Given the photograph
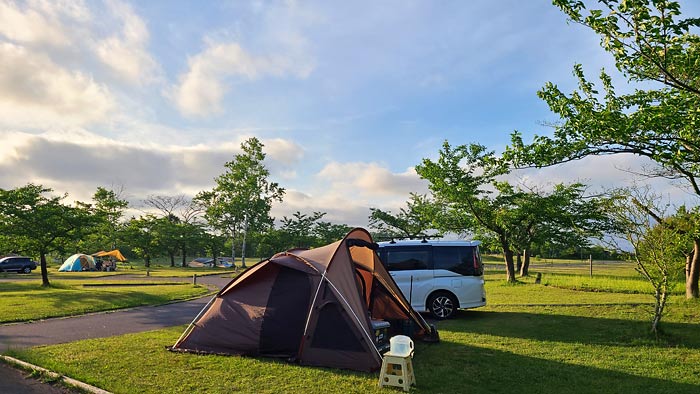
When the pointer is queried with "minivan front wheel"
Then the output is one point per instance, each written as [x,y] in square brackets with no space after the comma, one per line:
[26,270]
[442,305]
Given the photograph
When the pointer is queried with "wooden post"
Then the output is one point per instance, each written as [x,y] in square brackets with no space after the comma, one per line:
[590,264]
[194,279]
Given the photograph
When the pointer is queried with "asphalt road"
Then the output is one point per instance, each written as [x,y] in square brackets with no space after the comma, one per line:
[18,382]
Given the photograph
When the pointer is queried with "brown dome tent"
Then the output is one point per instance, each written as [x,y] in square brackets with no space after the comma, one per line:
[315,307]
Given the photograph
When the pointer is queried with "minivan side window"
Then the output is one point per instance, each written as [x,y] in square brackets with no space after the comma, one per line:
[403,259]
[459,259]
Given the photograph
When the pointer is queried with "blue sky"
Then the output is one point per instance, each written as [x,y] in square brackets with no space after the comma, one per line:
[347,96]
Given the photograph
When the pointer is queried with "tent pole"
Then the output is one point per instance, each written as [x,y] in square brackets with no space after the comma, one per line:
[188,329]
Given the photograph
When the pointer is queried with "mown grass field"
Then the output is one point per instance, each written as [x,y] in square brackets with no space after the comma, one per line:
[136,269]
[564,335]
[27,300]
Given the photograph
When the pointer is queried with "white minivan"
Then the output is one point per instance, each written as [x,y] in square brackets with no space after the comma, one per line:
[436,276]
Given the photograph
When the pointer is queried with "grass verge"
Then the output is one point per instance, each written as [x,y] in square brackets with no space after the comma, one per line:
[24,301]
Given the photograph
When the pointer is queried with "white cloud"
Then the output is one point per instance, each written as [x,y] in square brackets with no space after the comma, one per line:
[36,92]
[41,22]
[372,180]
[202,88]
[71,160]
[125,53]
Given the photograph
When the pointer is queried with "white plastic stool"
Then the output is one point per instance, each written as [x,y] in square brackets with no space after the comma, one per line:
[397,371]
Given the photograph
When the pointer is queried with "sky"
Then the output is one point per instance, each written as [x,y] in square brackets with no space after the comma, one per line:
[153,97]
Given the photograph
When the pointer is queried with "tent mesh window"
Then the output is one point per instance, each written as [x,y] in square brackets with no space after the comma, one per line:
[283,326]
[333,330]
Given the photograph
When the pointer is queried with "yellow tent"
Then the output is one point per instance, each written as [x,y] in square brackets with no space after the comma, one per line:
[113,253]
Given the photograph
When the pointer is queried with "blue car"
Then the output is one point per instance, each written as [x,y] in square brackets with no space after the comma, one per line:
[17,264]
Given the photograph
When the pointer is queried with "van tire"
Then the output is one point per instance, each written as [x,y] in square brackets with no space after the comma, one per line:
[442,305]
[27,270]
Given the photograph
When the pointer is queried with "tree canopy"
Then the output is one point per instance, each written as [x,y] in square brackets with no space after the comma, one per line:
[410,222]
[659,54]
[242,198]
[40,223]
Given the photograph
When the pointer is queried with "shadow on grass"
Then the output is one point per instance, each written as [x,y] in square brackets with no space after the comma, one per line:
[573,329]
[480,370]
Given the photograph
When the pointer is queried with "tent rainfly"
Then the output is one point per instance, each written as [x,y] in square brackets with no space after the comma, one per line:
[78,262]
[116,254]
[314,307]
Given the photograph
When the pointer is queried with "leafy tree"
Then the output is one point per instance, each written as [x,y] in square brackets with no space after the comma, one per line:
[466,180]
[144,237]
[180,231]
[109,207]
[653,48]
[243,196]
[411,222]
[38,223]
[327,232]
[657,247]
[564,216]
[461,177]
[190,236]
[298,230]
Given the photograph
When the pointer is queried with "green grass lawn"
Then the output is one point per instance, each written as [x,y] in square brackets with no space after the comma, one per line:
[136,269]
[27,300]
[569,334]
[602,349]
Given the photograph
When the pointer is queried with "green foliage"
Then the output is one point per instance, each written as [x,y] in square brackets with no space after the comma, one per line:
[654,47]
[466,179]
[145,236]
[37,224]
[657,248]
[411,222]
[243,195]
[649,43]
[300,231]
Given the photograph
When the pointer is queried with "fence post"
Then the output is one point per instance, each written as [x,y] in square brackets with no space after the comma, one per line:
[590,264]
[194,279]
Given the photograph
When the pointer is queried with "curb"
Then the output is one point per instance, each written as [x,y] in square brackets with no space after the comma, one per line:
[62,378]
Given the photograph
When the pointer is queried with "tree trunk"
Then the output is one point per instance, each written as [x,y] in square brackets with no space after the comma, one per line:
[508,256]
[44,271]
[172,259]
[245,231]
[692,271]
[148,260]
[215,254]
[184,256]
[233,249]
[525,269]
[661,295]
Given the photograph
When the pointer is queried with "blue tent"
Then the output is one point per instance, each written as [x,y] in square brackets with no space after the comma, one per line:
[78,262]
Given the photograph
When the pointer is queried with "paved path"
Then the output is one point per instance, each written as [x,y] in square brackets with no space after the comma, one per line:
[17,382]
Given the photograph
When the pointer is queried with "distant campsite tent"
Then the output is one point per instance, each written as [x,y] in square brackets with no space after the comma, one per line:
[78,262]
[116,254]
[201,262]
[312,306]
